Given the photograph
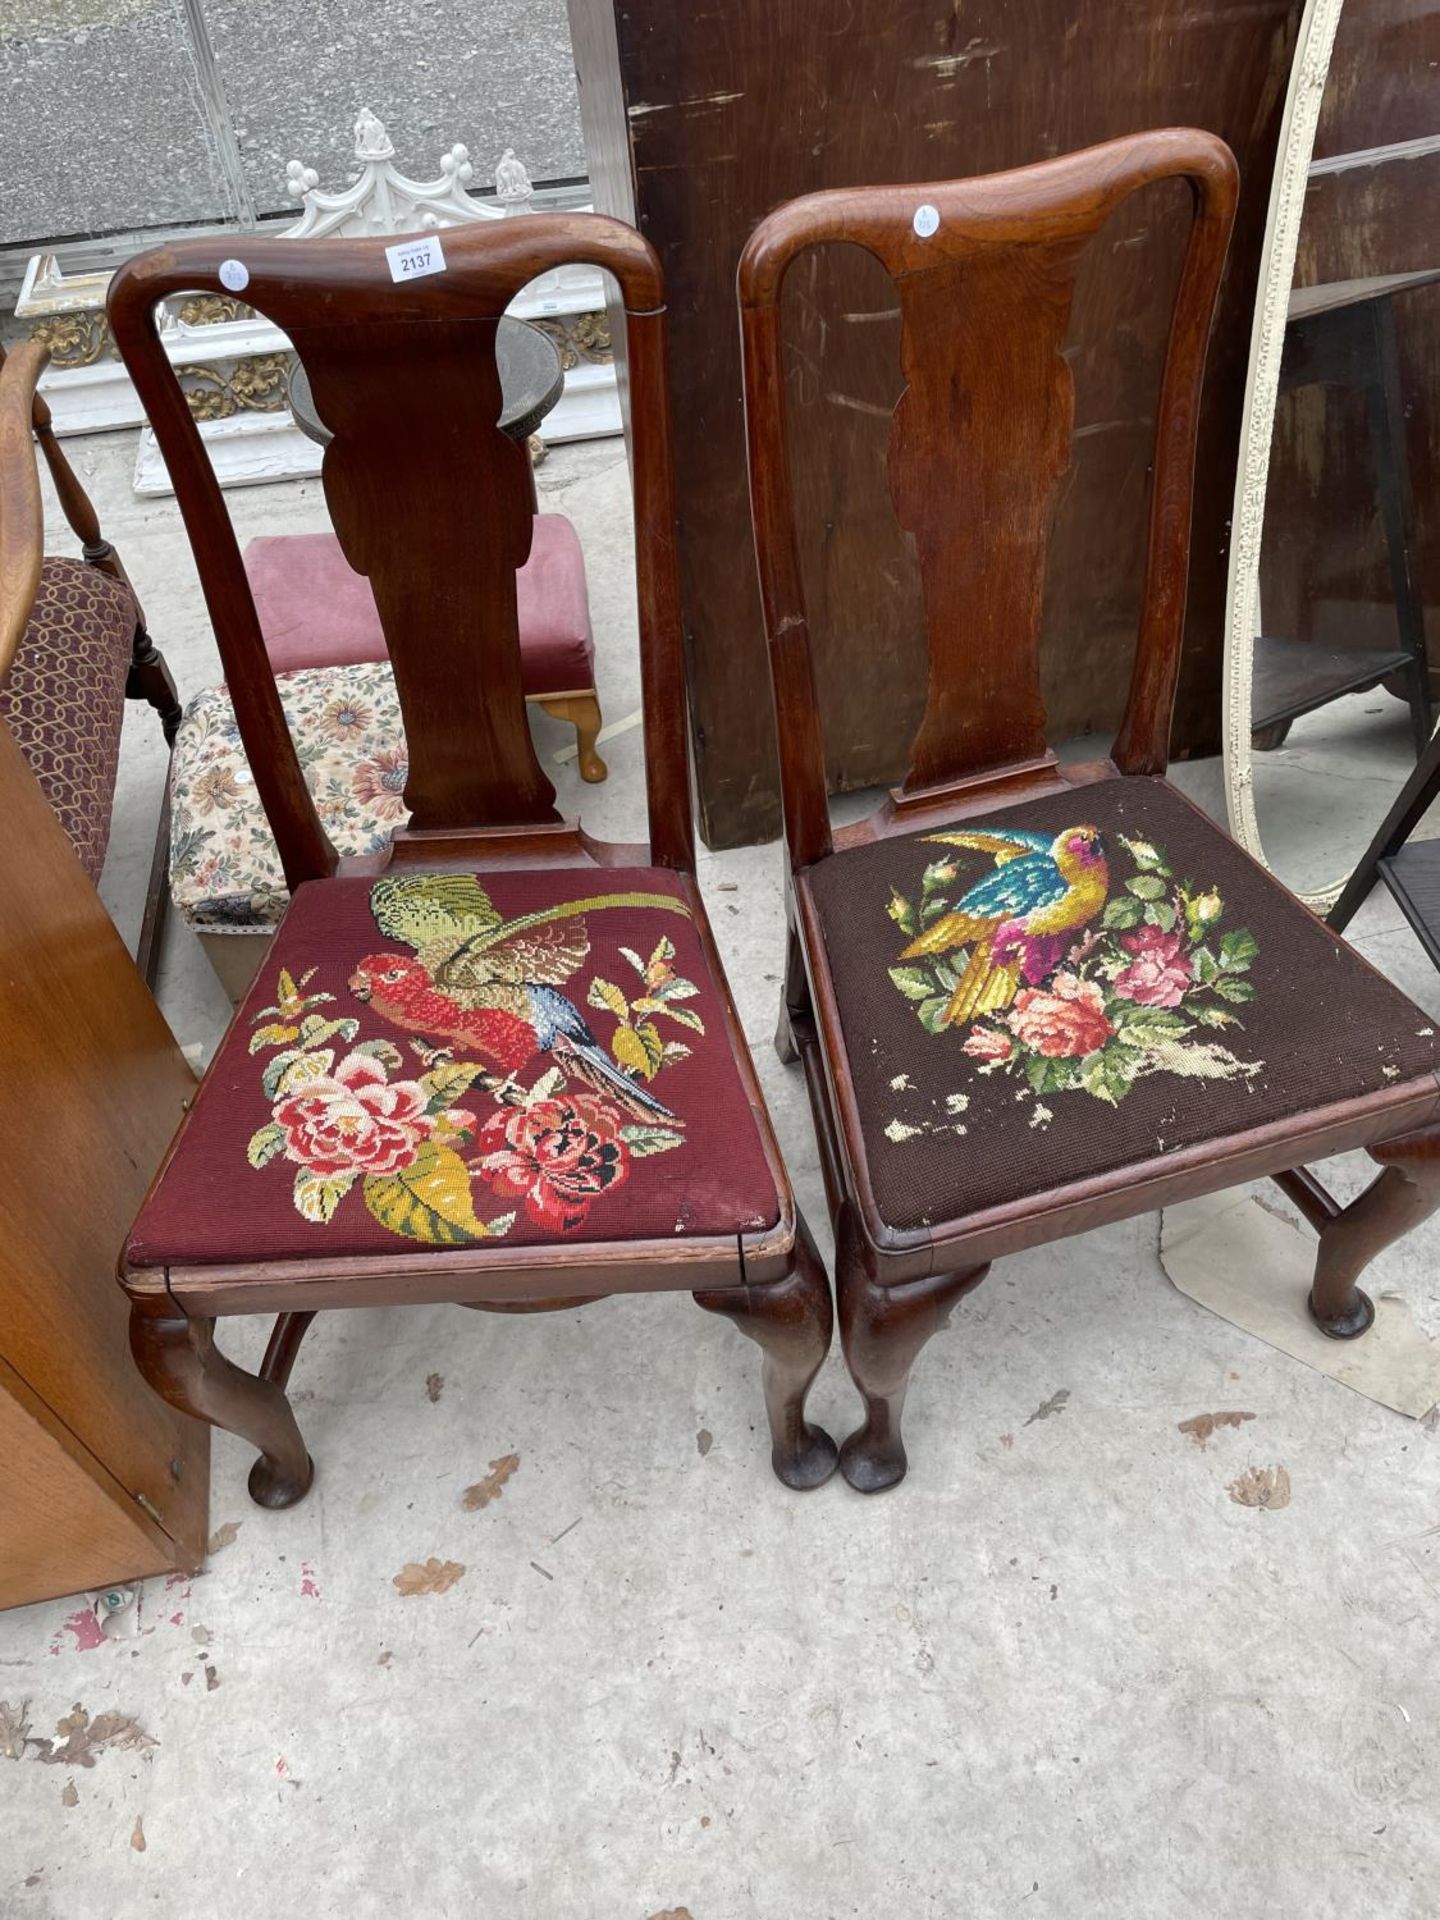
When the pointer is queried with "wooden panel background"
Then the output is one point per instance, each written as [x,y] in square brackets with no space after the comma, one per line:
[698,121]
[1324,573]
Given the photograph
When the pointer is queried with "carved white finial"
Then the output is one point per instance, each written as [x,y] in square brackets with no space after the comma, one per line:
[300,179]
[455,165]
[512,182]
[371,140]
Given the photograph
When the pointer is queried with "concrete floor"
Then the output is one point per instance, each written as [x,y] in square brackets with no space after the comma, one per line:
[1059,1672]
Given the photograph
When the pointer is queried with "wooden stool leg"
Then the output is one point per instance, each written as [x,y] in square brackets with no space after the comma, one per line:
[179,1358]
[581,711]
[882,1330]
[791,1320]
[1399,1198]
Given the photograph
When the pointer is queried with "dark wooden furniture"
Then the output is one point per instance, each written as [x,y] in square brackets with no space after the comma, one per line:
[531,382]
[73,642]
[101,1482]
[698,121]
[1409,868]
[456,940]
[1343,335]
[1085,1042]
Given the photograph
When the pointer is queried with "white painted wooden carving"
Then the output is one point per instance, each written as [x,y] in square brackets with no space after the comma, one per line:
[251,437]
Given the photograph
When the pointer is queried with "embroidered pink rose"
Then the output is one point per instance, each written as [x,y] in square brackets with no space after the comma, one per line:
[1063,1023]
[556,1155]
[354,1120]
[1159,974]
[988,1043]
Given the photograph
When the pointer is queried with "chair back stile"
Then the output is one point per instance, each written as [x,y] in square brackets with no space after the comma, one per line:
[22,513]
[985,273]
[430,501]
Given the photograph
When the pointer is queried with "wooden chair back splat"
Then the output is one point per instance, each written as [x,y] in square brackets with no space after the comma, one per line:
[984,271]
[537,1105]
[1081,935]
[431,501]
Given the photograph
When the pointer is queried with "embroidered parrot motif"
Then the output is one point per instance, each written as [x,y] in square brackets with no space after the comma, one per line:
[493,984]
[1019,919]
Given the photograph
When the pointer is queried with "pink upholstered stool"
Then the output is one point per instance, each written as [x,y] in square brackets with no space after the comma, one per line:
[315,611]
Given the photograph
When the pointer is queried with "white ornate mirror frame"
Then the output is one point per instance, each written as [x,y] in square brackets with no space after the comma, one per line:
[1314,44]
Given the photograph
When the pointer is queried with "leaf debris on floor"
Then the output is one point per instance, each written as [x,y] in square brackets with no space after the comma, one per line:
[82,1738]
[1055,1404]
[434,1386]
[223,1536]
[704,1440]
[433,1576]
[137,1834]
[14,1725]
[69,1794]
[492,1486]
[1267,1487]
[1202,1426]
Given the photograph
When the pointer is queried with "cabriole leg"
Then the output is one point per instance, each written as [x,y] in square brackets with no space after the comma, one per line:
[1399,1198]
[791,1320]
[882,1330]
[179,1358]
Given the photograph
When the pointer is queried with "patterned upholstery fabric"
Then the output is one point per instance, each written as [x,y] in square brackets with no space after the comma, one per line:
[425,1061]
[316,611]
[64,697]
[1054,991]
[224,865]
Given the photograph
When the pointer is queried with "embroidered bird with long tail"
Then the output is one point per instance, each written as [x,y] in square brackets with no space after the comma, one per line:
[473,976]
[1018,920]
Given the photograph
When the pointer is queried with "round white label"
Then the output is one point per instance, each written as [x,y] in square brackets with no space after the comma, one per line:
[235,275]
[926,221]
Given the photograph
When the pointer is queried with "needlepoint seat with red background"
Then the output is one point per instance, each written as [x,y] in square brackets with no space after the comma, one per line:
[1056,990]
[440,1060]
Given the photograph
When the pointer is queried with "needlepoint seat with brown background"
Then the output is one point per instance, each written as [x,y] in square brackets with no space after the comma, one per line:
[1062,988]
[439,1060]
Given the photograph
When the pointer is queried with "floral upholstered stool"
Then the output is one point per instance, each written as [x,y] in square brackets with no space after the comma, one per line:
[323,637]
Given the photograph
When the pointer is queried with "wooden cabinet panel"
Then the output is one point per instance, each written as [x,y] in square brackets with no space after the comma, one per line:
[697,122]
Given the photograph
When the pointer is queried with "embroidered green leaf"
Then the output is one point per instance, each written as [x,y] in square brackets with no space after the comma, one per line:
[315,1030]
[946,978]
[265,1143]
[318,1195]
[1150,859]
[446,1081]
[1146,886]
[939,873]
[385,1051]
[1147,1026]
[662,956]
[675,989]
[638,1049]
[932,908]
[675,1051]
[272,1036]
[549,1083]
[1205,964]
[1232,989]
[1238,949]
[685,1017]
[1162,914]
[903,914]
[430,1200]
[914,982]
[1214,1017]
[302,1069]
[608,998]
[636,962]
[1108,1074]
[274,1069]
[1051,1076]
[1121,914]
[931,1013]
[643,1141]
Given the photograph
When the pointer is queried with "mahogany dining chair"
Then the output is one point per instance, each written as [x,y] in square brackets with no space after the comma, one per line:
[495,1063]
[1033,997]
